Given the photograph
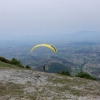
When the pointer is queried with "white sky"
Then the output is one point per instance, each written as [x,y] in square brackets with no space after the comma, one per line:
[28,17]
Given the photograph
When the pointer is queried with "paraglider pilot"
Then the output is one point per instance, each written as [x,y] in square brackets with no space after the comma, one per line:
[44,67]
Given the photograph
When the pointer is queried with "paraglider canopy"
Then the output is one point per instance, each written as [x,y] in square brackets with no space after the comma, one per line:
[45,45]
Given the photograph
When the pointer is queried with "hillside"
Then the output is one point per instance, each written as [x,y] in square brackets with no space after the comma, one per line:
[54,67]
[77,56]
[24,84]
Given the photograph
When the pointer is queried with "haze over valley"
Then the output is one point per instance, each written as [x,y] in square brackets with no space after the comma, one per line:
[71,56]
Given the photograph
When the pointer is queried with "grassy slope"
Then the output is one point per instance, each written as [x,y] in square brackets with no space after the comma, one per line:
[58,87]
[9,66]
[6,65]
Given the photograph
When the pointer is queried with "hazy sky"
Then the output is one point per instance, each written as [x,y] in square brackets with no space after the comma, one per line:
[31,17]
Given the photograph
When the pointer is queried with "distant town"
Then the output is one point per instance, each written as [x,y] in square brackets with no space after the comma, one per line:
[76,57]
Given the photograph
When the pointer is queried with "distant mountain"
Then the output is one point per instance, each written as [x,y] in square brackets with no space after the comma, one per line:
[81,36]
[88,36]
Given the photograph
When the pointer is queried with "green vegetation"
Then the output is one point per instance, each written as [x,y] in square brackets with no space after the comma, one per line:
[8,66]
[28,67]
[64,73]
[16,62]
[85,75]
[4,60]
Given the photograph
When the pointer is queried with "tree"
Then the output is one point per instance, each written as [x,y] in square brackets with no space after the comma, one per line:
[16,62]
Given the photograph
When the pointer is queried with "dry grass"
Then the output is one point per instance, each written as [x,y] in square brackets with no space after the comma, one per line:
[16,84]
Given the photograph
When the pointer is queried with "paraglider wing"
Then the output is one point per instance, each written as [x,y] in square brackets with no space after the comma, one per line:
[45,45]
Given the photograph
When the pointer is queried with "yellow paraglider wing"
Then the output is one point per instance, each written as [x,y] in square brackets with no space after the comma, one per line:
[45,45]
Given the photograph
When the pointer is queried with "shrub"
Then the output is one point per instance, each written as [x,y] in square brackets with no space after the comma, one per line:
[4,60]
[27,66]
[64,73]
[85,75]
[16,62]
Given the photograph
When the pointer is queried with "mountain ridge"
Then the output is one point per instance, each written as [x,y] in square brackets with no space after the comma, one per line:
[79,36]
